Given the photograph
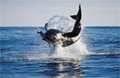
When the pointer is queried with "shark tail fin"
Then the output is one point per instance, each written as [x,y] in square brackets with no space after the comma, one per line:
[78,16]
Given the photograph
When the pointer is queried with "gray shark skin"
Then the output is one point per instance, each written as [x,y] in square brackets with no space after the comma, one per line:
[57,37]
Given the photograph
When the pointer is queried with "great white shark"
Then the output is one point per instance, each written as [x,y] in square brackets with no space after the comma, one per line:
[57,37]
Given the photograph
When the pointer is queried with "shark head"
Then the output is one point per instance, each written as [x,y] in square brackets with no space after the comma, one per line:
[52,36]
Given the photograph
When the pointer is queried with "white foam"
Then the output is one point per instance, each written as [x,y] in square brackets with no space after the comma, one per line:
[104,53]
[75,51]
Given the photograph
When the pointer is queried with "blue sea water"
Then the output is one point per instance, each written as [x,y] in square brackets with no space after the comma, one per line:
[21,55]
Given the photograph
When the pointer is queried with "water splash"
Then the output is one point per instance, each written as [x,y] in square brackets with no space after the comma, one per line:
[61,23]
[74,51]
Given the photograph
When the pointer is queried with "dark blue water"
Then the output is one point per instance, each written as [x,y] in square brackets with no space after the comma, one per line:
[19,44]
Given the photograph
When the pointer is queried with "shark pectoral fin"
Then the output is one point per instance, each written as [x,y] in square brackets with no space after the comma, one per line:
[41,33]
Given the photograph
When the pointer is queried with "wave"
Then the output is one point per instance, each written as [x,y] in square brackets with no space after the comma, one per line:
[110,42]
[104,53]
[57,58]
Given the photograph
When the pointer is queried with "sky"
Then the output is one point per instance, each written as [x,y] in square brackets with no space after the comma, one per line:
[38,12]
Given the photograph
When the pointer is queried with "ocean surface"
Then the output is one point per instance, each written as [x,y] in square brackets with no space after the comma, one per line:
[23,54]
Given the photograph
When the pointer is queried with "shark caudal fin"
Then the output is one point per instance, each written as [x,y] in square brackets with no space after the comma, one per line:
[78,16]
[77,26]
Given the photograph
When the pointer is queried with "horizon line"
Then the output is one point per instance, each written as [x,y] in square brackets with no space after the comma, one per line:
[83,26]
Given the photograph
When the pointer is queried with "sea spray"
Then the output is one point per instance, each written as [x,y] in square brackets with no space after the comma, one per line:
[74,51]
[63,24]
